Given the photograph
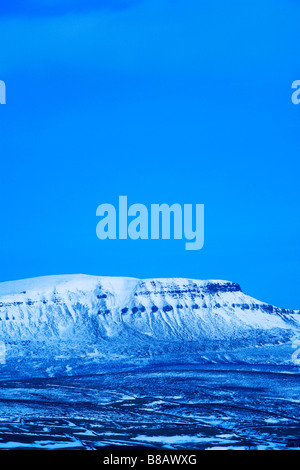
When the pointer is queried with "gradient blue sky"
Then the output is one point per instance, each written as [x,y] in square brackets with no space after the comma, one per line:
[182,101]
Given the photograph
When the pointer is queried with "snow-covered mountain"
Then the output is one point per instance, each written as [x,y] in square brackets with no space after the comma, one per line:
[103,319]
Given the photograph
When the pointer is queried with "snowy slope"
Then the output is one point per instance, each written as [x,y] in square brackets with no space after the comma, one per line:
[100,318]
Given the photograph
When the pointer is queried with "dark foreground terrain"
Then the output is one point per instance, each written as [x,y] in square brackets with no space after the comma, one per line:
[179,407]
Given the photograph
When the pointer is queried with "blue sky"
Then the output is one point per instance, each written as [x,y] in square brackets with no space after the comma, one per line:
[163,101]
